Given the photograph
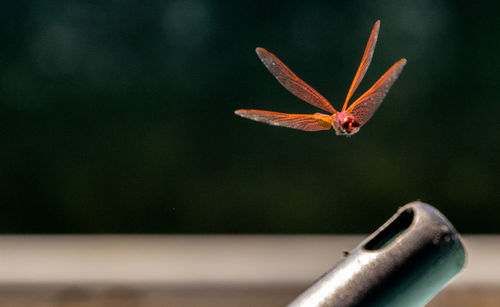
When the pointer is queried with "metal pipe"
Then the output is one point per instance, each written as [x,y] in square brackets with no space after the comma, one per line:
[406,262]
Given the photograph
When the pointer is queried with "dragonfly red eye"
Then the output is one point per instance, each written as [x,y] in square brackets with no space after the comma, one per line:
[349,124]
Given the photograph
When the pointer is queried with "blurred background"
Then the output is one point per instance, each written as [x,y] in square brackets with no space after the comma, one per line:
[117,116]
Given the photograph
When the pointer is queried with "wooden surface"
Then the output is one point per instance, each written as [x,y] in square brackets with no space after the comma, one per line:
[200,270]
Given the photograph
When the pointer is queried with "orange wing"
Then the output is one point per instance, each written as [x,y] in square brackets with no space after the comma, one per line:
[364,107]
[306,122]
[365,62]
[291,82]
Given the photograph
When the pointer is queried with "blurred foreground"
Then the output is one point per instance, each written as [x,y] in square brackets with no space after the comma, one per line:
[201,270]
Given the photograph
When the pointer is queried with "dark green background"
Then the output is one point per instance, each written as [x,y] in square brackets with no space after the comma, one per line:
[117,116]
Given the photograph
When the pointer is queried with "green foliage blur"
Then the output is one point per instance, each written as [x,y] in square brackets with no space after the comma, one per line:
[117,116]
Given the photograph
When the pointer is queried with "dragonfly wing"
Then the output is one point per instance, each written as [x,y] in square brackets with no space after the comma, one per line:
[293,83]
[306,122]
[364,107]
[365,62]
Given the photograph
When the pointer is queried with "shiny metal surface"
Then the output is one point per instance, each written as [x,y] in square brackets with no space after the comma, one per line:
[406,262]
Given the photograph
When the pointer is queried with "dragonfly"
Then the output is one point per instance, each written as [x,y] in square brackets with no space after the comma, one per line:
[346,122]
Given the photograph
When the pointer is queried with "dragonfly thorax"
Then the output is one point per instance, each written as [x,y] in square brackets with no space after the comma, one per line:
[345,124]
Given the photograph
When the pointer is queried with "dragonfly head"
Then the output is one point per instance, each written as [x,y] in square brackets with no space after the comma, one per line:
[345,124]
